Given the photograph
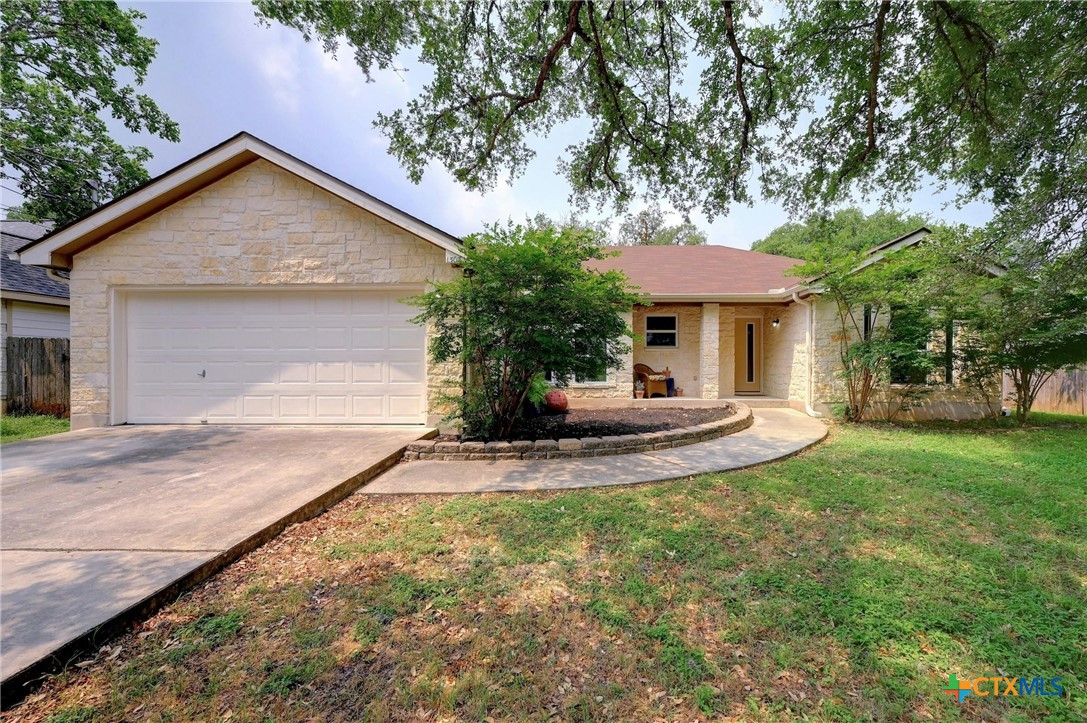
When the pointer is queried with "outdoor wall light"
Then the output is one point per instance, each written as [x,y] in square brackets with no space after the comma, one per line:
[775,323]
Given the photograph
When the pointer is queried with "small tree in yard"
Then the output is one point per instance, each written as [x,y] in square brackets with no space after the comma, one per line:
[524,305]
[1030,323]
[882,324]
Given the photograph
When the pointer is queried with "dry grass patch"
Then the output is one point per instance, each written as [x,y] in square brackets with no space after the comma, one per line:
[824,586]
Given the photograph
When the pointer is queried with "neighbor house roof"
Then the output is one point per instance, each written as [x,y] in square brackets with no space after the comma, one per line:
[701,272]
[17,280]
[56,249]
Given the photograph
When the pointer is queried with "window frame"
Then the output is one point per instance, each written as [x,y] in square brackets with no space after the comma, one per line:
[947,362]
[575,383]
[674,331]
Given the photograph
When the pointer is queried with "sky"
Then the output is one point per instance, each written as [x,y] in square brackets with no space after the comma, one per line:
[218,72]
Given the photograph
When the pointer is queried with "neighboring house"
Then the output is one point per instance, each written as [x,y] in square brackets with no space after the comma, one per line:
[246,286]
[34,302]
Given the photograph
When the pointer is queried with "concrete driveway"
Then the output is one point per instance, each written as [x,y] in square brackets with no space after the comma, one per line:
[99,525]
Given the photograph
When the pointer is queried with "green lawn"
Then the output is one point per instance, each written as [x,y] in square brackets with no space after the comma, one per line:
[845,583]
[29,426]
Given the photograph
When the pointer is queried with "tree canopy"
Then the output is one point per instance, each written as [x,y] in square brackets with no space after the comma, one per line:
[649,227]
[61,68]
[849,230]
[1020,317]
[695,101]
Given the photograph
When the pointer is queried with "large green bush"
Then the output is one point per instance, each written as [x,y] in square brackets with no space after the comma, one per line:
[525,305]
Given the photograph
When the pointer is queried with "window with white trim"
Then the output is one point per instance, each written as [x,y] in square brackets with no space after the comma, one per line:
[661,331]
[582,381]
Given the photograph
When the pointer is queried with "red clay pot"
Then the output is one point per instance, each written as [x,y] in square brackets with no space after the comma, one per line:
[556,401]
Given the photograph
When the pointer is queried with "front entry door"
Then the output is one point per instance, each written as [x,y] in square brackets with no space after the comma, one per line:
[748,356]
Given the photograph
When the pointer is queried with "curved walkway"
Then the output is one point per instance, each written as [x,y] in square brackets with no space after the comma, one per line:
[776,433]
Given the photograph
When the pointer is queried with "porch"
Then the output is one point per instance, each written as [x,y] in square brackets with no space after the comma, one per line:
[715,352]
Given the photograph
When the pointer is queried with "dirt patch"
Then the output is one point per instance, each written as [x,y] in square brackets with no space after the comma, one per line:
[577,423]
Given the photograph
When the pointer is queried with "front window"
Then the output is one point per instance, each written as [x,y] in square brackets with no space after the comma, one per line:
[661,330]
[581,379]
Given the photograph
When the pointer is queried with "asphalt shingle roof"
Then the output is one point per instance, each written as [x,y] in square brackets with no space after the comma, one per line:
[693,270]
[25,279]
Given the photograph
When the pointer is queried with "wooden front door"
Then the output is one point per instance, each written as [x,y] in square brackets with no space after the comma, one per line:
[748,355]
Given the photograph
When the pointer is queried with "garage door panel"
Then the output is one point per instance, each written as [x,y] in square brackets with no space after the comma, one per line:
[224,406]
[368,407]
[224,338]
[295,407]
[406,372]
[274,356]
[367,372]
[404,405]
[259,406]
[297,373]
[331,372]
[370,305]
[191,338]
[331,338]
[293,337]
[259,372]
[404,338]
[369,337]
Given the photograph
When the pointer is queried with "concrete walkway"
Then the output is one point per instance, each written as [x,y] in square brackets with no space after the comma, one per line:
[102,526]
[776,433]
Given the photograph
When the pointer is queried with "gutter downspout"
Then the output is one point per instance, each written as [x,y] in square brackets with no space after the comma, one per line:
[811,354]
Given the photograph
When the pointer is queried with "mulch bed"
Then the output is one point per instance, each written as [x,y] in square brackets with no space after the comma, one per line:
[578,423]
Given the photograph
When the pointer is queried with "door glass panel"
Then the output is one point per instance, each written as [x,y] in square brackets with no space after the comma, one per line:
[750,353]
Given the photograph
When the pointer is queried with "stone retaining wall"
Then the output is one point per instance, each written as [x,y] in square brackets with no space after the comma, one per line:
[429,449]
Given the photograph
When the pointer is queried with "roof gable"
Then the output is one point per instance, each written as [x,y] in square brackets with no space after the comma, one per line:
[57,248]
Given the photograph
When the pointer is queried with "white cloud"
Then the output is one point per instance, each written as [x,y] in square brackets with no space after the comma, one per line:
[463,211]
[278,64]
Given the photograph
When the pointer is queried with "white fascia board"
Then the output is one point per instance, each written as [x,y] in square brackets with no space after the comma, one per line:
[719,298]
[35,298]
[41,254]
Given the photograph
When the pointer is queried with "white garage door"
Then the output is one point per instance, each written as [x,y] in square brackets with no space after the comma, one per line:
[274,357]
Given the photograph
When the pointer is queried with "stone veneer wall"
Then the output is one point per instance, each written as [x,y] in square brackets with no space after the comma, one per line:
[710,355]
[940,402]
[258,226]
[726,348]
[685,359]
[785,351]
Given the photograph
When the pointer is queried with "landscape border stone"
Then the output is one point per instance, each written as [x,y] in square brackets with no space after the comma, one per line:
[428,449]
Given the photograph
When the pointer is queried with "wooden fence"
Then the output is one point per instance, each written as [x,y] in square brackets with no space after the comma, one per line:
[1064,393]
[38,375]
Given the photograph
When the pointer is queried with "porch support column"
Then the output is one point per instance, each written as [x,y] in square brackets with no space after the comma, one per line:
[709,369]
[624,375]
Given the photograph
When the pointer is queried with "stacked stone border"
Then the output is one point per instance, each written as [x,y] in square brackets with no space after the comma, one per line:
[429,449]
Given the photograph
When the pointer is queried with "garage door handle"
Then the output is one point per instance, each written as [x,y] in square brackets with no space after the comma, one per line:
[202,373]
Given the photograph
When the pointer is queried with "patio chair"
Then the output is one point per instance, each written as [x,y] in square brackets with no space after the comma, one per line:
[652,381]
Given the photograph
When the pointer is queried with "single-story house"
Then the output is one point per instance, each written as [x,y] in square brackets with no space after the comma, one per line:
[246,286]
[33,301]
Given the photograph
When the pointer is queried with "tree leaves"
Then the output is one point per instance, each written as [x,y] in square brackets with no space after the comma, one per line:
[707,104]
[525,305]
[60,68]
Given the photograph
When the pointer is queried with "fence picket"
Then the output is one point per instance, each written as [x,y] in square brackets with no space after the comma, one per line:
[39,371]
